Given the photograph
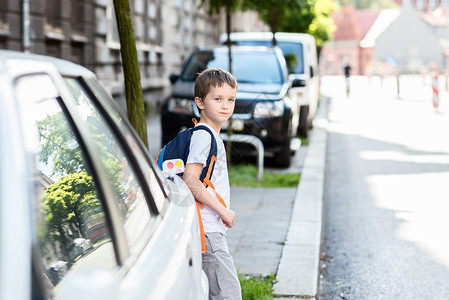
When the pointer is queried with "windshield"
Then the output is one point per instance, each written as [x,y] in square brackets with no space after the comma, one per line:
[247,67]
[293,53]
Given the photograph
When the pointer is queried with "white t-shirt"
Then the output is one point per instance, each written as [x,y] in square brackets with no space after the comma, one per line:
[199,151]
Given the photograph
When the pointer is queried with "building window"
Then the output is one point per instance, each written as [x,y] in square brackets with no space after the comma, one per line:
[78,53]
[3,10]
[432,4]
[53,13]
[53,48]
[444,3]
[78,16]
[112,37]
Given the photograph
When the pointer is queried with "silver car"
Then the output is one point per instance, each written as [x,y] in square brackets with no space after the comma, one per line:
[73,169]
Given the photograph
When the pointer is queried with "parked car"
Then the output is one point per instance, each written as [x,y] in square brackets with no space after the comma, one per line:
[67,153]
[263,107]
[300,52]
[79,247]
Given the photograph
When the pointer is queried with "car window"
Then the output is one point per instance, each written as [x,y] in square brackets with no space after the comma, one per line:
[197,63]
[247,67]
[129,195]
[71,227]
[145,162]
[293,53]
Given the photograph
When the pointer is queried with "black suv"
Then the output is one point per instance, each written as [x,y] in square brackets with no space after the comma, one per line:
[263,108]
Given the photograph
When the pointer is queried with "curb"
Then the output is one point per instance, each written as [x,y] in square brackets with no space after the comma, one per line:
[298,270]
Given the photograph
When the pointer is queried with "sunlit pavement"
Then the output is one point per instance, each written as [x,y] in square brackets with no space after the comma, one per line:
[421,194]
[395,178]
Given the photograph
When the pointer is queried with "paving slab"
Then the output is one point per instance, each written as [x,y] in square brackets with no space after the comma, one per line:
[261,224]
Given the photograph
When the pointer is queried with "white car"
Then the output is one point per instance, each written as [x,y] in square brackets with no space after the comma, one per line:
[73,169]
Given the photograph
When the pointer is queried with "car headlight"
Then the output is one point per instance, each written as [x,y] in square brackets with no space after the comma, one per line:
[181,106]
[268,109]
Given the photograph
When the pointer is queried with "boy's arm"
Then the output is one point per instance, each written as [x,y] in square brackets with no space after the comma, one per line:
[191,177]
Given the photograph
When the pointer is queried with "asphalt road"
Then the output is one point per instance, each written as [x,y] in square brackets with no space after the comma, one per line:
[386,204]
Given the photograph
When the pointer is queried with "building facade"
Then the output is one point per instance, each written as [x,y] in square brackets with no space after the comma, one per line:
[352,26]
[85,32]
[407,39]
[59,28]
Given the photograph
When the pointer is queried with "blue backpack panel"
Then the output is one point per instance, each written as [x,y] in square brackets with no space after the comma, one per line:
[173,156]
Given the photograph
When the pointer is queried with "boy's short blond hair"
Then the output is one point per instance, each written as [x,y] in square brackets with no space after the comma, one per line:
[211,78]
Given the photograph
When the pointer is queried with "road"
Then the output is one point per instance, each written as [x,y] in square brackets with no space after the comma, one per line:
[386,204]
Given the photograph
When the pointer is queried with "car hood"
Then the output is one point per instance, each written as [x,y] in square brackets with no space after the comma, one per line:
[183,89]
[261,91]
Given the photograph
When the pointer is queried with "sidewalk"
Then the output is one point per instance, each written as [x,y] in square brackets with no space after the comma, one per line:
[278,230]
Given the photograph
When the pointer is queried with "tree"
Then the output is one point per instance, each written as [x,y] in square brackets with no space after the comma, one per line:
[322,26]
[275,12]
[308,16]
[69,199]
[298,18]
[128,50]
[65,204]
[58,145]
[215,6]
[230,6]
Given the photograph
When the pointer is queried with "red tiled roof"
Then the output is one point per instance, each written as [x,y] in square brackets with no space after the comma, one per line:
[353,24]
[365,19]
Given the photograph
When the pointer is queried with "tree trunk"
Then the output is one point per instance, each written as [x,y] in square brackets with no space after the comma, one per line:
[274,22]
[228,31]
[131,71]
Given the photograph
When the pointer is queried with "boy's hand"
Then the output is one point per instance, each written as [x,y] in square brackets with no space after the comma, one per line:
[227,216]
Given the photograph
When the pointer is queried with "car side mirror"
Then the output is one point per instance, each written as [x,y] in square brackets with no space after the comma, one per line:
[298,83]
[173,78]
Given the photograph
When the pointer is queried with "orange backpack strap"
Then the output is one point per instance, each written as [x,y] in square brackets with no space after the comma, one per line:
[209,183]
[157,159]
[206,183]
[203,237]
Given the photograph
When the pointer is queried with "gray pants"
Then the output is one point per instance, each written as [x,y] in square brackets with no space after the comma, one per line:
[220,270]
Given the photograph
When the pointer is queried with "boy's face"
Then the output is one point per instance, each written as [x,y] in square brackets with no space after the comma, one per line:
[218,105]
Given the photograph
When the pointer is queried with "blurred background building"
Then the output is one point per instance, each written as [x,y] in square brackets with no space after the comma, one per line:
[85,32]
[406,39]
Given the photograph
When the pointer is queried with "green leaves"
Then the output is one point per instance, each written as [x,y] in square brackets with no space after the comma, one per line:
[69,198]
[59,145]
[215,6]
[307,16]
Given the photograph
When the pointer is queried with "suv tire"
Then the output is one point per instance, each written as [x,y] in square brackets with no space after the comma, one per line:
[282,159]
[303,126]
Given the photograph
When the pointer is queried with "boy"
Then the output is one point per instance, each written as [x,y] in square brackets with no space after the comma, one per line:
[215,92]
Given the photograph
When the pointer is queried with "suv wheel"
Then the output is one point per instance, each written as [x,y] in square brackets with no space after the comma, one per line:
[303,126]
[283,158]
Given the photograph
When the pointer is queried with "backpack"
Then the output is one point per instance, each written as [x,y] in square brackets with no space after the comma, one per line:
[172,158]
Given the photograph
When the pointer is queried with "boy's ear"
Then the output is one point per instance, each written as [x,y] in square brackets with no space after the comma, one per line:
[199,102]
